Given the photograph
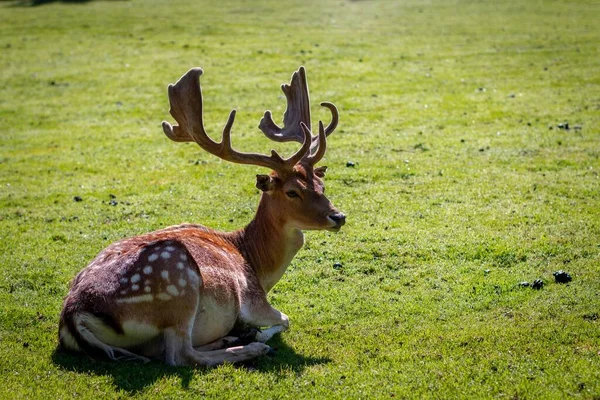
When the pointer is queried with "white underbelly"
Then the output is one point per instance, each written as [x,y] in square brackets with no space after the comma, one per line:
[213,320]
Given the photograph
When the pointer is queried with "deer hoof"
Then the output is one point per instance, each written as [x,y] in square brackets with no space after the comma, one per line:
[259,349]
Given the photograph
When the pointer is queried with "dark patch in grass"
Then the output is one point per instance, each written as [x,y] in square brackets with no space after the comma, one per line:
[59,238]
[590,317]
[404,175]
[354,181]
[421,147]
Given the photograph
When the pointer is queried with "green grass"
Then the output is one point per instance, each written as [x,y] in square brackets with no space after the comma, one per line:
[463,187]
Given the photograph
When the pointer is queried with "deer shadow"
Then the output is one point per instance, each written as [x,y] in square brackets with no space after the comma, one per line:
[134,377]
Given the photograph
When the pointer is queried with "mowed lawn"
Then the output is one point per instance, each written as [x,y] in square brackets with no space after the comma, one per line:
[466,160]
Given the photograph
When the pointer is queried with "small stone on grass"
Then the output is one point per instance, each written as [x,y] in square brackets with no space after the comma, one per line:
[562,277]
[537,284]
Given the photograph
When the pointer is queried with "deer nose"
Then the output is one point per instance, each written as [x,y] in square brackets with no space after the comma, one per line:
[339,218]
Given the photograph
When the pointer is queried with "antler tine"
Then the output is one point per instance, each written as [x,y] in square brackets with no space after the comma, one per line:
[297,111]
[319,142]
[185,98]
[327,131]
[334,117]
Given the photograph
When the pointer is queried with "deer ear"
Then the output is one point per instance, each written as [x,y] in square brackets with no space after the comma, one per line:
[320,171]
[265,183]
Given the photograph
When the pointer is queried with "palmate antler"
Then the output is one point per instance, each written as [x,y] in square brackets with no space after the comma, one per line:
[298,114]
[185,98]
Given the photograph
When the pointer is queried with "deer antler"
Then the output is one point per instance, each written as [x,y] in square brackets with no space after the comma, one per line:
[185,98]
[296,114]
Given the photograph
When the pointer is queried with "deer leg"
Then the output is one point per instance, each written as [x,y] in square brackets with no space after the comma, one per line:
[262,314]
[179,350]
[233,354]
[268,333]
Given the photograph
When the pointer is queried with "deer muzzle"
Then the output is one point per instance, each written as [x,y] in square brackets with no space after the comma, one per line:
[338,218]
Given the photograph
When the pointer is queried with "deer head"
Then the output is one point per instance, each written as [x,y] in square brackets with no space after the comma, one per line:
[294,189]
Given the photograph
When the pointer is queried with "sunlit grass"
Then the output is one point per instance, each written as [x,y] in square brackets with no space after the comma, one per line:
[463,186]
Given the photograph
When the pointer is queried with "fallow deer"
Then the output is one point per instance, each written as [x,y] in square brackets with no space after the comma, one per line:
[176,293]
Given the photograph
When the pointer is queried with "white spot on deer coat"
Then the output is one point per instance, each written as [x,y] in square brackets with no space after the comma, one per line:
[170,248]
[171,289]
[165,254]
[182,282]
[135,278]
[193,276]
[180,265]
[148,269]
[183,257]
[147,289]
[136,299]
[165,274]
[163,296]
[135,287]
[153,257]
[123,280]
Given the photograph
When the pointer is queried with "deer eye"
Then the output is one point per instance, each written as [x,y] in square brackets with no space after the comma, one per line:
[292,194]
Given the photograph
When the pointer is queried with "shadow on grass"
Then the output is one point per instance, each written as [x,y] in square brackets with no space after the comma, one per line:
[134,377]
[285,358]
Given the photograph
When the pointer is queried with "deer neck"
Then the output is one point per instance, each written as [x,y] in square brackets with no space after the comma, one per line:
[269,243]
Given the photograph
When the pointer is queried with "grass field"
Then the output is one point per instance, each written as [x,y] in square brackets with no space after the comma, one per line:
[463,186]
